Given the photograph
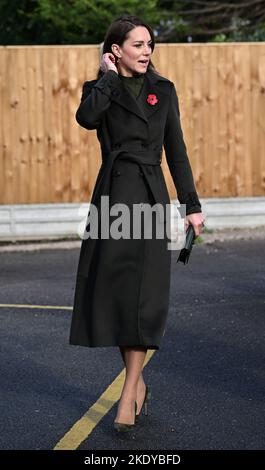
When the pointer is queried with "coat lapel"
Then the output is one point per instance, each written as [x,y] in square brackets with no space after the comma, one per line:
[140,105]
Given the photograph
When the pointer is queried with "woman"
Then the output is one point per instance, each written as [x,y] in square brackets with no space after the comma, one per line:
[122,286]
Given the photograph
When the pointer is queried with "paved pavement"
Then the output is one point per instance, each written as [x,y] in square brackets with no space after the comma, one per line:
[207,380]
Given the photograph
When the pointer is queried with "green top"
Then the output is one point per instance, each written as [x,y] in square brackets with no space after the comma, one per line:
[134,83]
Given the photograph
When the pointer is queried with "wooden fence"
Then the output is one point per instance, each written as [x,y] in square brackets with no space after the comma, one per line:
[47,157]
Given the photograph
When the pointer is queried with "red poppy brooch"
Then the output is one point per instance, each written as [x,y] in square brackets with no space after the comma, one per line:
[152,99]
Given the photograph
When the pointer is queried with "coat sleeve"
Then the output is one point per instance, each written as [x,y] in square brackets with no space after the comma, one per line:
[96,99]
[177,158]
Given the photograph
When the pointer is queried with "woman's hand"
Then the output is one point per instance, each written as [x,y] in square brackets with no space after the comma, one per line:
[108,62]
[197,220]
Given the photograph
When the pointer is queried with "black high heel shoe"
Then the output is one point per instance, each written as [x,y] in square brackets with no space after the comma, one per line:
[145,403]
[124,426]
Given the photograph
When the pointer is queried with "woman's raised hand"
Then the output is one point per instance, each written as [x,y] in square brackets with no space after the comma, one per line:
[108,62]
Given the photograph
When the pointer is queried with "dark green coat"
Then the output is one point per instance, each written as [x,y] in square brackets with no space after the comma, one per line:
[122,286]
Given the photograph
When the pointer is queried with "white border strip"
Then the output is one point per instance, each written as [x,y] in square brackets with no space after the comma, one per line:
[45,221]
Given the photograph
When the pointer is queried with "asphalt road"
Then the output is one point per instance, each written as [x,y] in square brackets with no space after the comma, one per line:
[207,380]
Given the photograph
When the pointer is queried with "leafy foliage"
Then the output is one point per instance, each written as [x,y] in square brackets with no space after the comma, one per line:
[86,21]
[66,22]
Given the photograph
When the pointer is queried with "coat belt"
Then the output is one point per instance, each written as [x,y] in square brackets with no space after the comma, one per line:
[144,158]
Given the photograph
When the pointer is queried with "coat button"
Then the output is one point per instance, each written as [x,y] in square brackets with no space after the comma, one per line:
[116,172]
[117,146]
[141,173]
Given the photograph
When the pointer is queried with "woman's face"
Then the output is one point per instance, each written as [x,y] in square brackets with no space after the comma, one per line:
[134,55]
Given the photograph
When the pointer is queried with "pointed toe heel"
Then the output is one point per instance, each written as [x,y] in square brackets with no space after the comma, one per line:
[124,427]
[145,403]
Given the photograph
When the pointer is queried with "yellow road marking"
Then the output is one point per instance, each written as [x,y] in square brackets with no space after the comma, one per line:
[50,307]
[85,425]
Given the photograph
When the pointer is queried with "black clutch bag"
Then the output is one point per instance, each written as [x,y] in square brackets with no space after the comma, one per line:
[186,250]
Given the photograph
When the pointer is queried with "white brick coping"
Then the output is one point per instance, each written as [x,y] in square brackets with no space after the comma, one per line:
[48,221]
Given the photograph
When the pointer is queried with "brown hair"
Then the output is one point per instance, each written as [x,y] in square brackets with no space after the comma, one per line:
[117,33]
